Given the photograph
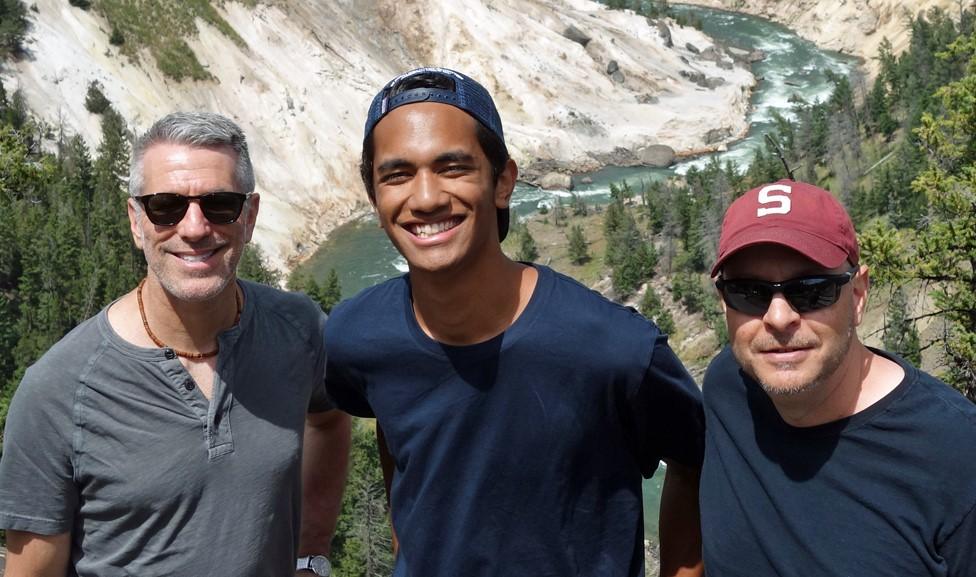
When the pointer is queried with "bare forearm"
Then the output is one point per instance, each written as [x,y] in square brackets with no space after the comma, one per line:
[33,555]
[680,524]
[325,462]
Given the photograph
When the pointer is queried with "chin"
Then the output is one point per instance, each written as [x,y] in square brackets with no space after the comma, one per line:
[787,388]
[195,289]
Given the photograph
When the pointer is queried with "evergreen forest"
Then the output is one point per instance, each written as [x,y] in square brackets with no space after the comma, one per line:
[900,154]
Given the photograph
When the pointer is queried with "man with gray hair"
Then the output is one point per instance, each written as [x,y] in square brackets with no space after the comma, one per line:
[164,436]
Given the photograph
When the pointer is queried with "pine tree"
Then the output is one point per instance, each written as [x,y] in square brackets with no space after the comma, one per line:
[578,252]
[114,264]
[652,308]
[13,27]
[578,206]
[900,334]
[946,248]
[527,252]
[252,266]
[330,291]
[363,545]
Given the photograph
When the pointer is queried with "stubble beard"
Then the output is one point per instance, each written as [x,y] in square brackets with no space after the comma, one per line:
[188,289]
[831,363]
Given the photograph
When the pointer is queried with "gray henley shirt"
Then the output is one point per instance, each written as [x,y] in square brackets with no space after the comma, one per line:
[116,444]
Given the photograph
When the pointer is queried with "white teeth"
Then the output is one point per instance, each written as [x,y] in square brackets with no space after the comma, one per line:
[196,257]
[430,229]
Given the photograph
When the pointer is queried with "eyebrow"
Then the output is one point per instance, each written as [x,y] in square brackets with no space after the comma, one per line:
[443,158]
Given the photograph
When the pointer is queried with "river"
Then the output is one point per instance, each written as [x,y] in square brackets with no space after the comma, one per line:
[362,255]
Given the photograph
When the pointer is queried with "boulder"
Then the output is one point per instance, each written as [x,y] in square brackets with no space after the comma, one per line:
[586,180]
[665,32]
[556,181]
[656,155]
[612,67]
[647,98]
[694,75]
[617,77]
[692,48]
[713,82]
[576,35]
[738,53]
[717,135]
[711,53]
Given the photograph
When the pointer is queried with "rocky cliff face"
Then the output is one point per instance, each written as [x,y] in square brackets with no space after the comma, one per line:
[577,86]
[854,27]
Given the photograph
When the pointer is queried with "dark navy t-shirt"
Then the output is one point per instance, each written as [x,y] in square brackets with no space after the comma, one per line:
[521,455]
[889,491]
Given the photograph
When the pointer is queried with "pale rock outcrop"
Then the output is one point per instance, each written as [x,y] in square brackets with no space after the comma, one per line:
[301,85]
[556,181]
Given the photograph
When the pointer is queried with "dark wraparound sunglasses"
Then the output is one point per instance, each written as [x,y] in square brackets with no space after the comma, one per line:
[805,294]
[169,208]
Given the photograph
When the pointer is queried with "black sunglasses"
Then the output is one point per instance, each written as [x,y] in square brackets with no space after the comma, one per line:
[169,208]
[805,294]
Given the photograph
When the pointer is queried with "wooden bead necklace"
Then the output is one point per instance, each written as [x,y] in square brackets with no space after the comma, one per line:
[177,352]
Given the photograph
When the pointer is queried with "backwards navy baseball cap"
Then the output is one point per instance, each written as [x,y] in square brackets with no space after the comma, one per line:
[446,86]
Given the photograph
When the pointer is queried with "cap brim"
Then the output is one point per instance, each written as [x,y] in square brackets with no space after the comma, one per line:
[813,247]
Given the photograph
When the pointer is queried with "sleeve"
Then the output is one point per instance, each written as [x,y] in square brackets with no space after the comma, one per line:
[345,385]
[319,402]
[37,489]
[958,550]
[667,412]
[346,392]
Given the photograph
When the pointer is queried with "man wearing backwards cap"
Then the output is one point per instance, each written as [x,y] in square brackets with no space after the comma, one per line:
[516,409]
[824,457]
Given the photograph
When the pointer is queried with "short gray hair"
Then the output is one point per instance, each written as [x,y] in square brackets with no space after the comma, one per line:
[193,129]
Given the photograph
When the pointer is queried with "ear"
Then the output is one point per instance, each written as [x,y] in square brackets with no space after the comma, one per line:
[251,216]
[135,226]
[861,285]
[506,184]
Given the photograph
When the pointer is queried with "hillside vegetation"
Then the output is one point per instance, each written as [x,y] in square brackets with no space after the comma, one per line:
[162,27]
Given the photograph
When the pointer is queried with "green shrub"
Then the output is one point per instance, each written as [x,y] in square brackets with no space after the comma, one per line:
[95,100]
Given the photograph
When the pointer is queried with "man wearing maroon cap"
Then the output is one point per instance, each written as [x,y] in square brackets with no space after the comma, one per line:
[823,456]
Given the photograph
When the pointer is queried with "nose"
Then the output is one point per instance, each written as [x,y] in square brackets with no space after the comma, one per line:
[194,225]
[428,195]
[780,315]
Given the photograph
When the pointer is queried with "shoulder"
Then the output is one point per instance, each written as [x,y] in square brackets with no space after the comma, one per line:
[941,406]
[592,326]
[293,308]
[720,376]
[582,304]
[50,384]
[723,366]
[371,304]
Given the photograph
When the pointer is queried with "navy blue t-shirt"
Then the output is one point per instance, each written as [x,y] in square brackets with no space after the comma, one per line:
[521,455]
[889,491]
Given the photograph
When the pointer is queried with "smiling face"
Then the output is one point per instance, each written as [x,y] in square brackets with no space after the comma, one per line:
[193,260]
[435,194]
[790,353]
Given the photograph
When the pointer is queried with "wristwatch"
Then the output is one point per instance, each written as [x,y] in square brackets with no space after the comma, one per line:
[317,564]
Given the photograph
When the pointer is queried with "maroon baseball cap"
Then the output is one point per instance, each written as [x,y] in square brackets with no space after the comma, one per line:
[793,214]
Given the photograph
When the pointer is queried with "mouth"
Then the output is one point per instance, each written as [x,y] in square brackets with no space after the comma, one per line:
[429,229]
[196,256]
[783,350]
